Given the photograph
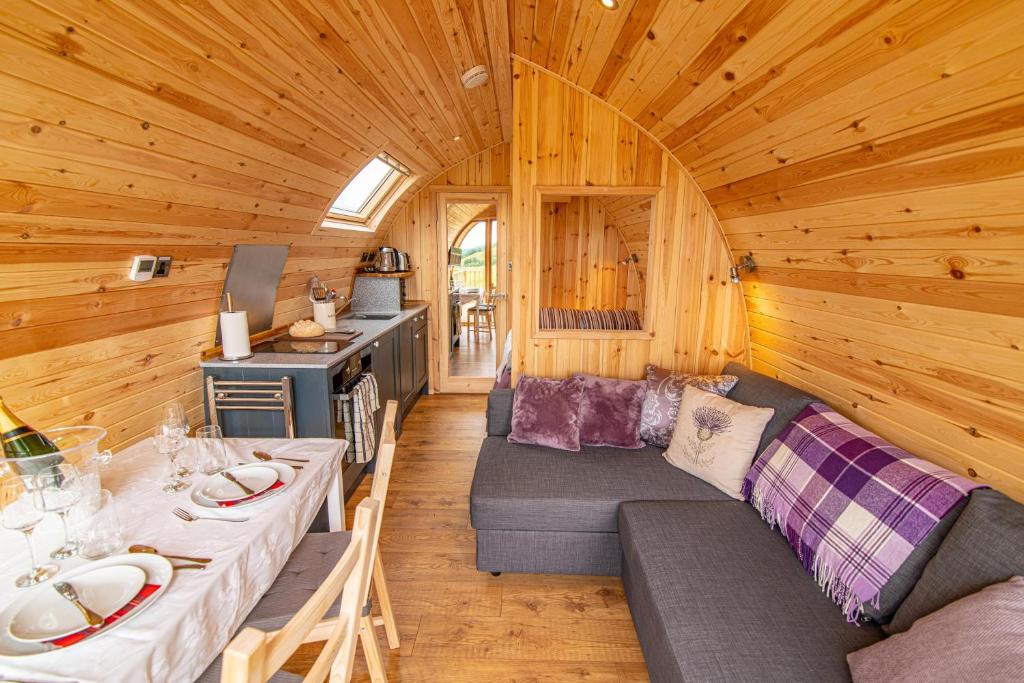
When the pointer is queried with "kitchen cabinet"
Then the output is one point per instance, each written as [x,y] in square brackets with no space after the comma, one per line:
[412,359]
[419,355]
[384,356]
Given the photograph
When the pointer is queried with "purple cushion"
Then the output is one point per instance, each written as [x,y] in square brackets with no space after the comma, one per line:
[546,412]
[664,392]
[610,414]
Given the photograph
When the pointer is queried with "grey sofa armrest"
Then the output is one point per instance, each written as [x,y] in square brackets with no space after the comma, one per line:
[499,412]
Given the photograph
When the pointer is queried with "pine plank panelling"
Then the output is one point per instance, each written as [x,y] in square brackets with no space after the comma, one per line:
[696,315]
[582,249]
[870,155]
[182,129]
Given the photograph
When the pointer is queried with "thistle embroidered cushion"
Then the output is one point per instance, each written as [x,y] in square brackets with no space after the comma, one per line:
[716,439]
[546,412]
[661,402]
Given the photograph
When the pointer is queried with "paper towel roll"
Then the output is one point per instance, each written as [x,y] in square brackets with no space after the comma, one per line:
[234,335]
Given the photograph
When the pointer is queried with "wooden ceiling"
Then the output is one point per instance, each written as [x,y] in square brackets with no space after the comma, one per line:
[265,107]
[870,154]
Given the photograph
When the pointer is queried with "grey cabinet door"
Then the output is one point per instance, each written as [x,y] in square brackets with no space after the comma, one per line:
[419,355]
[406,376]
[385,367]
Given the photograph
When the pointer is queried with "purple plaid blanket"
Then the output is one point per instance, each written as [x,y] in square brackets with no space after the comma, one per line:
[851,505]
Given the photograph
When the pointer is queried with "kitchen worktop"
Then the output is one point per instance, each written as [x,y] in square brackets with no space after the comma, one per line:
[371,330]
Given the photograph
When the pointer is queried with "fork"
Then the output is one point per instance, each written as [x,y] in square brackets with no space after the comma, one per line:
[189,517]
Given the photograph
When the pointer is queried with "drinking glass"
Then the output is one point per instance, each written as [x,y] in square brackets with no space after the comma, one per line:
[99,529]
[210,450]
[169,441]
[19,513]
[57,489]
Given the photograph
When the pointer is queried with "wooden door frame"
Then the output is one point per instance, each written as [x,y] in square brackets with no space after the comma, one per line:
[442,198]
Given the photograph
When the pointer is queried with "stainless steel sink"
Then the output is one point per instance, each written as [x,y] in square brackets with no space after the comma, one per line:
[369,316]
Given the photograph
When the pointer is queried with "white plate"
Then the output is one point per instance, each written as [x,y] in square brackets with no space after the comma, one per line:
[220,489]
[49,615]
[285,473]
[157,570]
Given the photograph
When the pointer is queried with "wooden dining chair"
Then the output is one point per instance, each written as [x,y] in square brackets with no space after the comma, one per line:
[255,656]
[314,559]
[484,308]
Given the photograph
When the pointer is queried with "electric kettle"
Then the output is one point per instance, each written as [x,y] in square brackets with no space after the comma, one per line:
[386,261]
[403,262]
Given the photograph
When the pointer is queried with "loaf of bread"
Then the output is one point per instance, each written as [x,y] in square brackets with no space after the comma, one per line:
[306,328]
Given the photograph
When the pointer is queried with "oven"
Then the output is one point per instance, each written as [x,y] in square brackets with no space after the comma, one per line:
[349,373]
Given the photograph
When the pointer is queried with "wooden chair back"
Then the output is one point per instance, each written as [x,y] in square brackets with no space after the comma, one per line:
[385,459]
[254,656]
[223,394]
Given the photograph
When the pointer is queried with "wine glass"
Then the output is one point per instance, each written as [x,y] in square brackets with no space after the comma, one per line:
[19,513]
[175,417]
[169,441]
[175,420]
[58,489]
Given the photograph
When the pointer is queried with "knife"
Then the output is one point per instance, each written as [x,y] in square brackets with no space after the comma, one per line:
[230,477]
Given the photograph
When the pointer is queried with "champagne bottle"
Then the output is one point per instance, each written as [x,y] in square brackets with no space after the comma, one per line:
[21,441]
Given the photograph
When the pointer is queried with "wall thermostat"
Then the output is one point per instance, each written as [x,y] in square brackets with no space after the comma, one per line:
[142,268]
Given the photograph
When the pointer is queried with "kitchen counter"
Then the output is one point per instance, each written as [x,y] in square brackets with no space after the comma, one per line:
[371,330]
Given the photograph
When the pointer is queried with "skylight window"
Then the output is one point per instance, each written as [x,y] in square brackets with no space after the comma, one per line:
[367,192]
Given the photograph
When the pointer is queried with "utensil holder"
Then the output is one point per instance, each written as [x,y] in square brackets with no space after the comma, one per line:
[325,313]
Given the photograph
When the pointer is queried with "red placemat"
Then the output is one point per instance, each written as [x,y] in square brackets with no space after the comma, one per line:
[276,485]
[139,598]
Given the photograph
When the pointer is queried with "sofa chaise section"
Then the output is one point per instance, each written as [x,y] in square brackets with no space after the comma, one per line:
[716,596]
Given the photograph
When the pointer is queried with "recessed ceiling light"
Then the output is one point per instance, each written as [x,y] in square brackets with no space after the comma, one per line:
[609,4]
[456,138]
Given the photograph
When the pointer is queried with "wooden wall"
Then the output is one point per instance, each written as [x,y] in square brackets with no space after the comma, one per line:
[181,129]
[562,136]
[871,156]
[415,230]
[582,250]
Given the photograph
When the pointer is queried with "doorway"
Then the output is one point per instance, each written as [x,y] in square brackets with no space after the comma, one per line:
[472,233]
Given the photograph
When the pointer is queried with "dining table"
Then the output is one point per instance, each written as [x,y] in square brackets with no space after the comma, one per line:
[178,636]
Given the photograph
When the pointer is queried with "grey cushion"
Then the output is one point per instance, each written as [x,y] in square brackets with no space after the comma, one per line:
[985,546]
[499,412]
[716,598]
[533,488]
[755,389]
[309,564]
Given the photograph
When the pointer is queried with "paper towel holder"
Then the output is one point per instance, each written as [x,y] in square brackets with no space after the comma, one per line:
[223,356]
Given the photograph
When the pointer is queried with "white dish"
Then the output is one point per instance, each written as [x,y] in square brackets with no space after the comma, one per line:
[220,489]
[49,615]
[285,473]
[157,570]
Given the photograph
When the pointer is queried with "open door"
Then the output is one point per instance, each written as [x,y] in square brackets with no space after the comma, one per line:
[472,300]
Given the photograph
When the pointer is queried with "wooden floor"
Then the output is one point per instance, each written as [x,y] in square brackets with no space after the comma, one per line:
[458,624]
[475,357]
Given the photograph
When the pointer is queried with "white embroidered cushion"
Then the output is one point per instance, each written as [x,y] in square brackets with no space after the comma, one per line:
[716,439]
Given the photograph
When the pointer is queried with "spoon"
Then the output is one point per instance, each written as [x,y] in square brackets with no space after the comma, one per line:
[153,551]
[265,457]
[67,591]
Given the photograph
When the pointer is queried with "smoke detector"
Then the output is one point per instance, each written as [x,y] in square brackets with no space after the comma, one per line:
[474,77]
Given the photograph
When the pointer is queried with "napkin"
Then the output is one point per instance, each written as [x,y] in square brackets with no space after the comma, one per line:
[229,503]
[140,597]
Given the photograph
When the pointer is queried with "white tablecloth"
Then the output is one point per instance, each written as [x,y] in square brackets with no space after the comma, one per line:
[175,639]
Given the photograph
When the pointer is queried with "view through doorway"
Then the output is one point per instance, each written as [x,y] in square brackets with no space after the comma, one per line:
[472,283]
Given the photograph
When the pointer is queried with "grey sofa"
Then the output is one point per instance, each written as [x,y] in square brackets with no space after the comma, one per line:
[714,593]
